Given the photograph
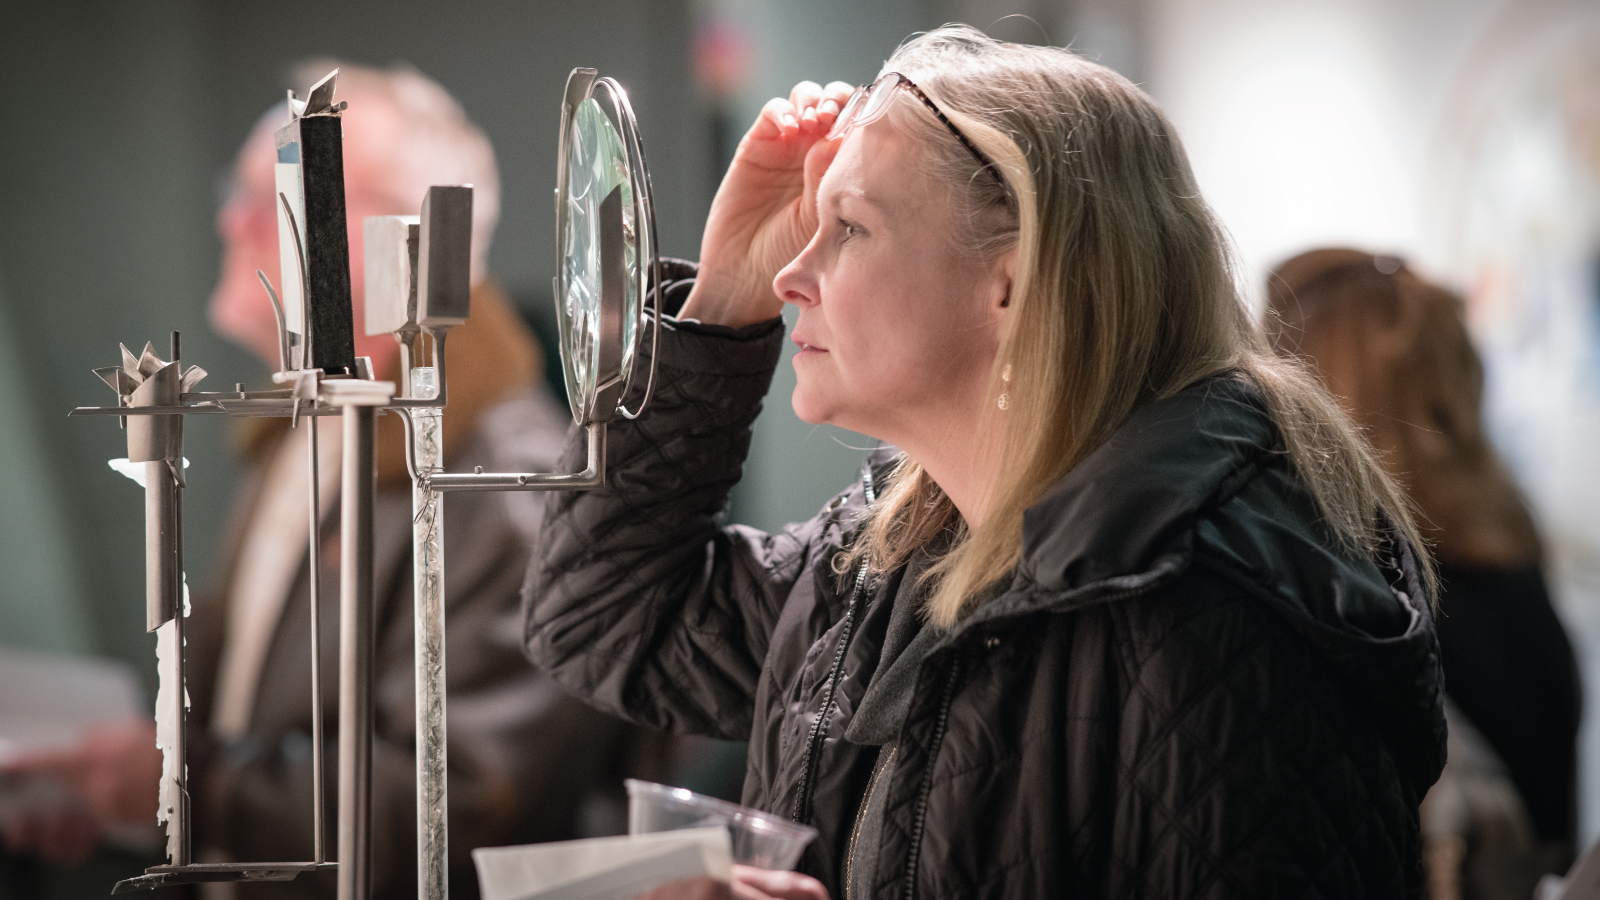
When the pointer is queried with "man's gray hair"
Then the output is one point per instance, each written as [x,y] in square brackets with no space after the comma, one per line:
[436,144]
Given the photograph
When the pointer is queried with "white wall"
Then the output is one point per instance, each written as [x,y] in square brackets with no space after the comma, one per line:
[1312,122]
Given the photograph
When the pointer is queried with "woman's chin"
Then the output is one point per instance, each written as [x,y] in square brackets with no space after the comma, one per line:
[810,410]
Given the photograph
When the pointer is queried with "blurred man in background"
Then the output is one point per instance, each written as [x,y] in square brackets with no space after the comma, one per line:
[527,763]
[1394,350]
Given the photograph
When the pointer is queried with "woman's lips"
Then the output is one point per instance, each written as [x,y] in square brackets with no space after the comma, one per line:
[807,348]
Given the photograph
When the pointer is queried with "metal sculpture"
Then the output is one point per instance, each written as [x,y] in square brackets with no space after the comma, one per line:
[418,288]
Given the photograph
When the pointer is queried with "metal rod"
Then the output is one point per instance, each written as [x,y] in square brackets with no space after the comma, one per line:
[436,338]
[271,407]
[180,822]
[355,656]
[160,565]
[592,477]
[161,579]
[185,850]
[424,428]
[283,328]
[319,825]
[304,362]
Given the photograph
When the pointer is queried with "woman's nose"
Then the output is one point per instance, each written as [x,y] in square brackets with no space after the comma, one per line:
[796,283]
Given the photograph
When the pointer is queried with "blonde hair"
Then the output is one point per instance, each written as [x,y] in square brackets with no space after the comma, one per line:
[1123,294]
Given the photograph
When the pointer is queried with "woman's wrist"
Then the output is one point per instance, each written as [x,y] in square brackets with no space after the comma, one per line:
[720,298]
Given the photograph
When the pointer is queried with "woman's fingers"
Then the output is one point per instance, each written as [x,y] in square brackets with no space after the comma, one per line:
[777,120]
[806,93]
[809,108]
[757,884]
[834,98]
[690,889]
[804,97]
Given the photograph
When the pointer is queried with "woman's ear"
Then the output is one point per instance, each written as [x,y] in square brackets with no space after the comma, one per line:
[1004,273]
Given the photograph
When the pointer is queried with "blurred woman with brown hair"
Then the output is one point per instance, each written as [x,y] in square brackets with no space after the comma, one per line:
[1393,349]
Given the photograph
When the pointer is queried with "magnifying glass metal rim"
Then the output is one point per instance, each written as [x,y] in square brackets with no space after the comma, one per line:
[600,401]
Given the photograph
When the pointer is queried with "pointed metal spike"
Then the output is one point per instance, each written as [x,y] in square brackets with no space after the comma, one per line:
[192,378]
[149,362]
[319,99]
[130,363]
[118,380]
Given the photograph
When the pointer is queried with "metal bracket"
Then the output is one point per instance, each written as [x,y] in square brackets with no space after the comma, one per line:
[198,873]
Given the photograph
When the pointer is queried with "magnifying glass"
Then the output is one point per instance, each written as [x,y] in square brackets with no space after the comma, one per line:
[606,240]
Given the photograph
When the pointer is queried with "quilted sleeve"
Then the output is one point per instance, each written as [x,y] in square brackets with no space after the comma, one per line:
[1246,767]
[637,599]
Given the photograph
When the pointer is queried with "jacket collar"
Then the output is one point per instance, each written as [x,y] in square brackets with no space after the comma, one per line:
[1126,519]
[1129,504]
[1115,522]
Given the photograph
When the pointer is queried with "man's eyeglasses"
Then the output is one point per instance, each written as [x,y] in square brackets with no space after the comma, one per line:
[871,101]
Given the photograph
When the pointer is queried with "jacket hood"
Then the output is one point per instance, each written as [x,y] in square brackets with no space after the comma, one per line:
[1201,479]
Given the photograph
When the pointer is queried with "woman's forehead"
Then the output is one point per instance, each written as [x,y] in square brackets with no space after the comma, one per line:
[878,166]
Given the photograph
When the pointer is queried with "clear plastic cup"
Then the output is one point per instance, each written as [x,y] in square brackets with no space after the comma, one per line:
[759,839]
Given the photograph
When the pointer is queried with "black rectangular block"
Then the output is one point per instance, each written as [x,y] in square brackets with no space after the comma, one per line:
[329,312]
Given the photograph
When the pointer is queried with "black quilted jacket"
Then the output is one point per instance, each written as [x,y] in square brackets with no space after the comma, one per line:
[1185,690]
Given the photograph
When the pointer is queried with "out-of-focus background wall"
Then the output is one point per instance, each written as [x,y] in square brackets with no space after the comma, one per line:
[1461,134]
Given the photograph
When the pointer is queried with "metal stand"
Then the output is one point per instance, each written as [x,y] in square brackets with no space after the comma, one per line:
[153,398]
[356,630]
[427,560]
[319,814]
[417,283]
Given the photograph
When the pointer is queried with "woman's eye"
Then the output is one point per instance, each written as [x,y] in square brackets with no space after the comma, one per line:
[848,229]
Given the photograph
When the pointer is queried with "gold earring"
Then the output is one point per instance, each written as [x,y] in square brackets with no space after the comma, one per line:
[1005,377]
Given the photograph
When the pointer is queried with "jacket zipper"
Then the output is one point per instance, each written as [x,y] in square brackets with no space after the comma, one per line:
[802,800]
[921,821]
[883,767]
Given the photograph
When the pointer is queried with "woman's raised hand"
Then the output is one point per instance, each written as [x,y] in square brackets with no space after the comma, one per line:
[765,212]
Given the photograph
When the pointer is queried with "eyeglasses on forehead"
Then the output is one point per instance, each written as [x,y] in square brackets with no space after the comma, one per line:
[870,101]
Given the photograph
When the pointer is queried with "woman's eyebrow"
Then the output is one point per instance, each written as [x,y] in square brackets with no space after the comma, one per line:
[857,196]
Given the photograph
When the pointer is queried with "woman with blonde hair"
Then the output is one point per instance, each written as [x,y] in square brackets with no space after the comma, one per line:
[1124,607]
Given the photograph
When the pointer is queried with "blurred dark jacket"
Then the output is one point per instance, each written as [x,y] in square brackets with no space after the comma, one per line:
[1394,350]
[527,761]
